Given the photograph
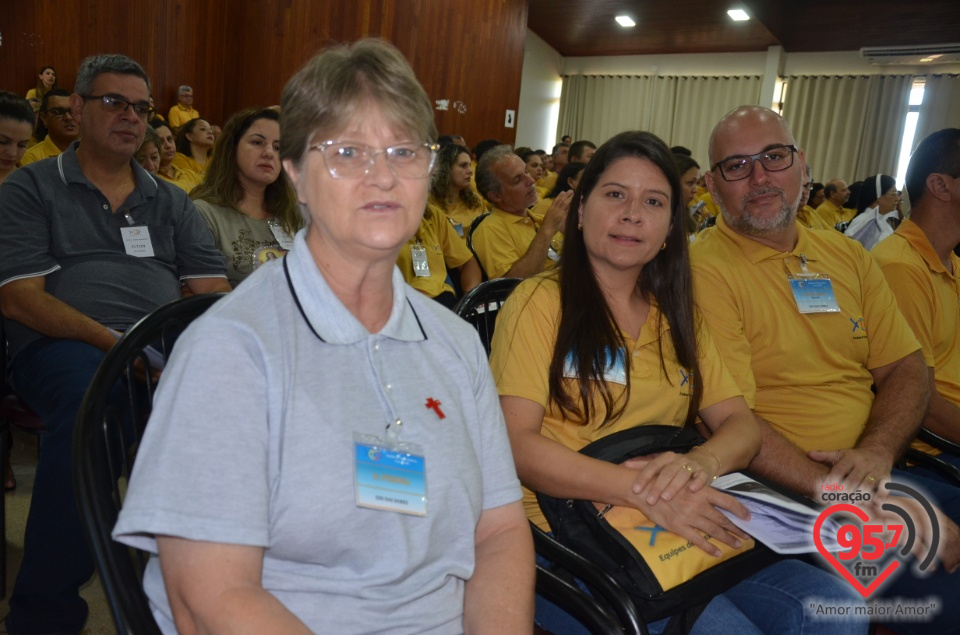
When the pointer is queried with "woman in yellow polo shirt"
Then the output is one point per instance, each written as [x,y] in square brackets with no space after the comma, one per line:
[452,191]
[46,81]
[611,340]
[184,179]
[194,146]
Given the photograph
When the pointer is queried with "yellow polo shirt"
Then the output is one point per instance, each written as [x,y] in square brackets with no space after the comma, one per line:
[539,210]
[459,212]
[444,250]
[522,350]
[43,150]
[184,162]
[548,181]
[808,217]
[184,179]
[832,214]
[808,374]
[502,239]
[929,297]
[180,115]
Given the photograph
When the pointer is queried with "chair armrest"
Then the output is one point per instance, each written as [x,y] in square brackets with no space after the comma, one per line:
[933,463]
[938,441]
[596,579]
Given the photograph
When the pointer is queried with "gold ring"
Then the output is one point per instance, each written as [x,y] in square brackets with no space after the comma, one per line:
[687,467]
[871,478]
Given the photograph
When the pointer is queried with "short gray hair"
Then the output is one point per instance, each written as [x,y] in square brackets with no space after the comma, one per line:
[184,89]
[487,181]
[328,91]
[96,65]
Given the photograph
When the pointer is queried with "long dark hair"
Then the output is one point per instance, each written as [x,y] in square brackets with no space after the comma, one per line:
[588,332]
[221,185]
[443,176]
[569,171]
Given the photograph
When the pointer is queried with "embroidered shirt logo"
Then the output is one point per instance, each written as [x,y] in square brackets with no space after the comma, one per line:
[858,324]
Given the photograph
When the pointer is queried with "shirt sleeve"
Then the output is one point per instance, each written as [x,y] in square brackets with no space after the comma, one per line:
[25,239]
[916,301]
[718,384]
[197,255]
[495,248]
[718,307]
[890,336]
[523,342]
[204,425]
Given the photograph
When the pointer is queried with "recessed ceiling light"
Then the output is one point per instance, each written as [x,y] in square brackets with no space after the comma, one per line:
[625,21]
[738,15]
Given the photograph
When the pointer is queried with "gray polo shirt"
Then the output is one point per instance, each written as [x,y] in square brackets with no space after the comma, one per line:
[55,223]
[251,442]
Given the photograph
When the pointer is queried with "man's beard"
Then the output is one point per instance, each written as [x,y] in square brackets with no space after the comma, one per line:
[748,225]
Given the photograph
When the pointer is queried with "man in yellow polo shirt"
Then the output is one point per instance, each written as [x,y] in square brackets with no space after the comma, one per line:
[183,111]
[832,210]
[806,323]
[508,243]
[924,274]
[62,128]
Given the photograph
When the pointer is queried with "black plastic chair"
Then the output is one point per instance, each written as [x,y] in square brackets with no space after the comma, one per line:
[480,306]
[934,463]
[104,445]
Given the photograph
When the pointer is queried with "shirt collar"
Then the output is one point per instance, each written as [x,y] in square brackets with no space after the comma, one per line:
[912,233]
[328,317]
[757,252]
[70,172]
[513,218]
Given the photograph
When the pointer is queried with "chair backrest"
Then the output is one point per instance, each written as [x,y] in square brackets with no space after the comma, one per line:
[110,423]
[473,227]
[480,306]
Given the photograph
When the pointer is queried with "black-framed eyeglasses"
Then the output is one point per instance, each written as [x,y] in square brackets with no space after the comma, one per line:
[117,105]
[345,160]
[775,159]
[58,113]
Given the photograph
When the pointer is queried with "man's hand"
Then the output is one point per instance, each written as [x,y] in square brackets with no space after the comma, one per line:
[856,468]
[556,216]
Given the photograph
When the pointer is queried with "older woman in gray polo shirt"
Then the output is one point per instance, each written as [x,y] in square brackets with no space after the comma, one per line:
[327,451]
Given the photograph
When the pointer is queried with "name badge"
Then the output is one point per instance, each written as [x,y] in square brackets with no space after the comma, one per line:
[421,268]
[814,293]
[284,239]
[457,227]
[136,241]
[615,371]
[389,478]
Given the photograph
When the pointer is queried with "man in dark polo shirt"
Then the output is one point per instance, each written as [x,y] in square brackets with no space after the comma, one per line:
[90,242]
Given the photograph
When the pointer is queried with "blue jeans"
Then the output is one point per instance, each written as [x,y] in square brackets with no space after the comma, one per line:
[51,378]
[769,601]
[940,584]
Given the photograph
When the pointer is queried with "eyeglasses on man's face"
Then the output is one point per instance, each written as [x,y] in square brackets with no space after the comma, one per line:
[775,159]
[117,105]
[58,113]
[345,160]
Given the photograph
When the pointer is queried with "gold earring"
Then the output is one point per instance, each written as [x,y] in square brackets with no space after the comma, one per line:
[663,246]
[580,226]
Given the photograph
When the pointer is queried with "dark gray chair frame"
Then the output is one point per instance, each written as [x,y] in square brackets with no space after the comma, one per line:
[104,446]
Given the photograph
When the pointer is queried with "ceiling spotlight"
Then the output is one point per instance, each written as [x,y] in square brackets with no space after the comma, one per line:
[625,21]
[739,15]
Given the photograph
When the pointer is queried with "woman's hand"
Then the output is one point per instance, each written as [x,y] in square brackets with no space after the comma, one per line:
[693,514]
[662,475]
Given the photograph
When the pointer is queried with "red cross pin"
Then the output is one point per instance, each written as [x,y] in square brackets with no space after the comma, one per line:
[434,405]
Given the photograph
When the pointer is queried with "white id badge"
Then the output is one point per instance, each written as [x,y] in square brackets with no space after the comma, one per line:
[136,240]
[457,227]
[389,477]
[421,268]
[284,239]
[615,371]
[813,293]
[552,255]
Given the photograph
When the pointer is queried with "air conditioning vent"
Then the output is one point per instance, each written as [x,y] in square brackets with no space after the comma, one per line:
[913,55]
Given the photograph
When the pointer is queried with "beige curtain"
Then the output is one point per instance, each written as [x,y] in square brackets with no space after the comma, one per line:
[681,110]
[941,106]
[850,127]
[596,107]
